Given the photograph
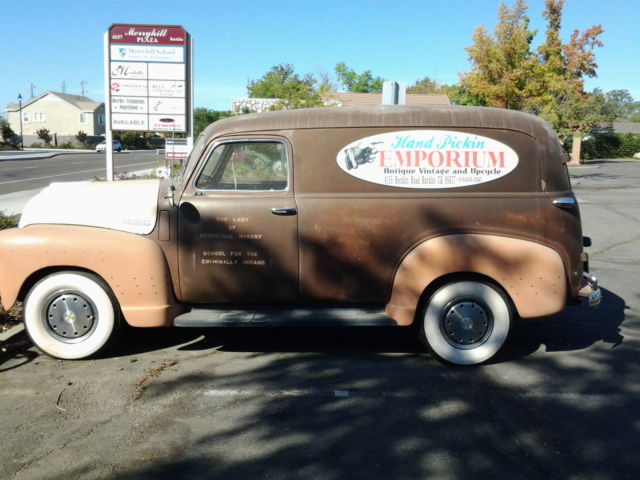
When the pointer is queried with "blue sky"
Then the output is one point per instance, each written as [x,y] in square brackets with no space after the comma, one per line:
[47,43]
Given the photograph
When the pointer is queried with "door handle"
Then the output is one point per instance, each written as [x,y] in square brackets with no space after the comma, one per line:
[565,202]
[285,211]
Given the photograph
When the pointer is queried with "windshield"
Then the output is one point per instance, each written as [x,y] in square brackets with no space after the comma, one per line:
[185,170]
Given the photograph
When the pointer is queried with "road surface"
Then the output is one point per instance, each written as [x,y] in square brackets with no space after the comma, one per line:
[21,178]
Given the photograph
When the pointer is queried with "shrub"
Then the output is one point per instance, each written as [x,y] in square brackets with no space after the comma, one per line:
[82,137]
[8,135]
[8,221]
[43,134]
[611,145]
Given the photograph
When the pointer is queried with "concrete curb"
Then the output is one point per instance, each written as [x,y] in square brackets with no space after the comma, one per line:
[12,332]
[35,155]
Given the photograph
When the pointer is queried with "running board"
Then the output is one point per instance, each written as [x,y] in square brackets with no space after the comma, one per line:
[293,317]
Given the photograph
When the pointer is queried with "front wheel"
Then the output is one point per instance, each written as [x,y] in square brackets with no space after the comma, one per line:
[71,315]
[466,322]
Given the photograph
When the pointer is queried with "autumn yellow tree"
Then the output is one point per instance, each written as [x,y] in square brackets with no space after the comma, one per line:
[569,108]
[507,73]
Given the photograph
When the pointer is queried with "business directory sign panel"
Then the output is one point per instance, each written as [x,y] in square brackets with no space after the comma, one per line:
[149,78]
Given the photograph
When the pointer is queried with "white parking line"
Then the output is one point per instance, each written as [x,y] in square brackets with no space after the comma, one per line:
[75,173]
[562,396]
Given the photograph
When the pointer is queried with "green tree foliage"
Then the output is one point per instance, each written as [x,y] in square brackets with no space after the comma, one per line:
[364,82]
[133,140]
[43,134]
[611,145]
[457,94]
[426,86]
[505,72]
[283,83]
[8,135]
[621,106]
[203,117]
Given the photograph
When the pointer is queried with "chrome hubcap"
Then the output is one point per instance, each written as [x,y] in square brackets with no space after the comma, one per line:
[71,316]
[466,323]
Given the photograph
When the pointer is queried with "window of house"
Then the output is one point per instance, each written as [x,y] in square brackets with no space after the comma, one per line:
[39,117]
[101,119]
[26,117]
[84,118]
[259,165]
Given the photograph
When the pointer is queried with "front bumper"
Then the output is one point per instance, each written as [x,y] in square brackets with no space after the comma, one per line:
[590,291]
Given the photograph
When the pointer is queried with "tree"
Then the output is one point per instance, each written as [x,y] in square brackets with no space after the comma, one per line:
[82,137]
[203,117]
[426,86]
[8,135]
[43,134]
[283,83]
[567,106]
[550,82]
[457,94]
[364,82]
[620,105]
[505,72]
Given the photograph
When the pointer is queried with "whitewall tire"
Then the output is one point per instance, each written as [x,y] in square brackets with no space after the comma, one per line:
[71,315]
[466,322]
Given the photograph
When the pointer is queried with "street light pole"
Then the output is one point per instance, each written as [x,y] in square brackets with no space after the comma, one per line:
[20,113]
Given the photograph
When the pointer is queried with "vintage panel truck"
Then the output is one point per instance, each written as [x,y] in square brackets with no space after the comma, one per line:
[454,220]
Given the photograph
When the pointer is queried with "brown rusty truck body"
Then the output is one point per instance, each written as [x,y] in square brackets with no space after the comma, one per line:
[457,220]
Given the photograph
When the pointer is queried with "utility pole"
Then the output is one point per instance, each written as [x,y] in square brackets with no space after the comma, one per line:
[82,84]
[32,87]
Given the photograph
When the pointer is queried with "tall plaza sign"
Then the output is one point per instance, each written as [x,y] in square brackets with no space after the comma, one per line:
[149,78]
[148,73]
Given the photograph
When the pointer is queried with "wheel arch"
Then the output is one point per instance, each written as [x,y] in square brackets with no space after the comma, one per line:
[457,277]
[133,266]
[38,275]
[525,271]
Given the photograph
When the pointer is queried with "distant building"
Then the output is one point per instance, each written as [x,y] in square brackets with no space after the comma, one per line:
[60,113]
[238,105]
[623,127]
[362,99]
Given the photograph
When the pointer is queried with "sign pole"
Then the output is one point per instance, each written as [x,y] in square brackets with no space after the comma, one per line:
[191,127]
[107,110]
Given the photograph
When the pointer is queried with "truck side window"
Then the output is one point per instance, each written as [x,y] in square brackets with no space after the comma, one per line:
[249,165]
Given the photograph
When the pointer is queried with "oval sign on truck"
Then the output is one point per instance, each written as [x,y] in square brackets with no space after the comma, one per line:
[427,159]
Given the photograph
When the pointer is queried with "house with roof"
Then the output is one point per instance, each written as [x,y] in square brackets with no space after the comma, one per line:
[64,115]
[337,99]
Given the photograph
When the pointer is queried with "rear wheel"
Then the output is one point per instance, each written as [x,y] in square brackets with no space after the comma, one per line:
[466,322]
[71,315]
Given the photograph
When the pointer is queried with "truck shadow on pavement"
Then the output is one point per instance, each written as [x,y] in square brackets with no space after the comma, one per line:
[576,328]
[344,409]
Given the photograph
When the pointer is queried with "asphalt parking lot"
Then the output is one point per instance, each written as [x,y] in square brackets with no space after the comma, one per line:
[561,401]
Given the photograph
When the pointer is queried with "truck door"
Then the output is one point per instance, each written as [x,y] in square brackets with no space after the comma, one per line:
[238,226]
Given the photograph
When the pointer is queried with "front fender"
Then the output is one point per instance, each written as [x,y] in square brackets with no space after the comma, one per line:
[132,265]
[532,274]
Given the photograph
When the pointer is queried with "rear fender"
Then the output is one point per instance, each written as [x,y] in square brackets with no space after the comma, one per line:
[531,274]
